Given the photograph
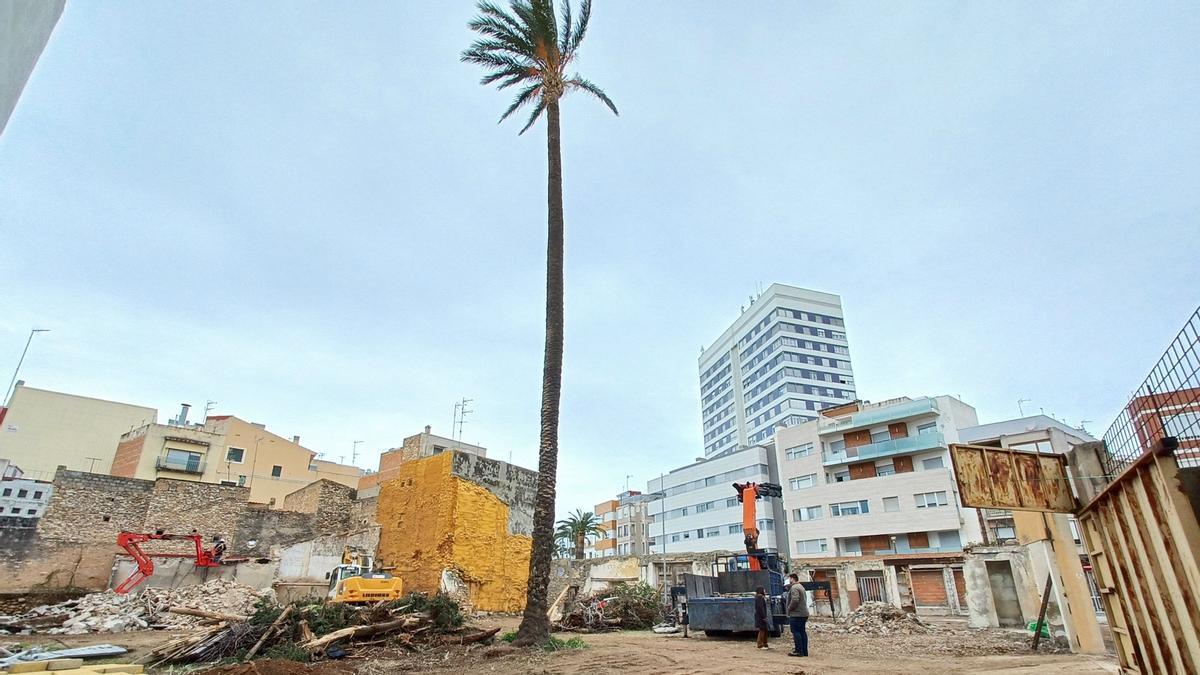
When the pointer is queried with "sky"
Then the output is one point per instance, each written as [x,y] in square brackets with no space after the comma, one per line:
[307,212]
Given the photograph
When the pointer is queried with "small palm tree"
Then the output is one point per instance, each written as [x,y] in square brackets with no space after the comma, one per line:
[529,47]
[579,529]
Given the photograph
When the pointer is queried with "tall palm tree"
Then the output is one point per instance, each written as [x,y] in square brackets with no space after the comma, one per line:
[530,47]
[579,529]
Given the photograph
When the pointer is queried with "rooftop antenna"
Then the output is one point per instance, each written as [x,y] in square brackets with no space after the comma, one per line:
[25,351]
[1083,428]
[1021,408]
[462,415]
[354,452]
[208,406]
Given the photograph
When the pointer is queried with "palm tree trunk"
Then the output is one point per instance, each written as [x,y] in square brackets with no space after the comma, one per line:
[580,544]
[535,625]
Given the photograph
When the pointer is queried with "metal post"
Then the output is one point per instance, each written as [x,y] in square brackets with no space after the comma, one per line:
[13,382]
[1037,630]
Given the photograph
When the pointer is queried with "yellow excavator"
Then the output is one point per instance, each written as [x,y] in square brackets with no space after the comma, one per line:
[356,582]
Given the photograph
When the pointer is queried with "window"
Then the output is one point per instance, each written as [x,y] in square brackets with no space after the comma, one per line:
[796,452]
[712,532]
[1185,425]
[888,469]
[930,499]
[228,483]
[15,510]
[241,481]
[849,508]
[806,513]
[803,482]
[21,494]
[235,455]
[182,459]
[674,538]
[1075,531]
[37,495]
[880,437]
[700,533]
[927,428]
[276,471]
[7,492]
[811,546]
[839,477]
[1006,533]
[687,535]
[31,512]
[731,502]
[837,446]
[891,504]
[735,529]
[933,463]
[766,525]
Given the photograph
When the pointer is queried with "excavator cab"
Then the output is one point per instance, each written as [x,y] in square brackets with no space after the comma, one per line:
[355,582]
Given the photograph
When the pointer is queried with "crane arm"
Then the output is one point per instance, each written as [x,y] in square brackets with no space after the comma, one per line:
[131,542]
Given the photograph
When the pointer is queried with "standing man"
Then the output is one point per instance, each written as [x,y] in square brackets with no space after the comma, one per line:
[797,610]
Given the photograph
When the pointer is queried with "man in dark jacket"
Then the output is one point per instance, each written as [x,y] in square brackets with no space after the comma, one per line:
[797,610]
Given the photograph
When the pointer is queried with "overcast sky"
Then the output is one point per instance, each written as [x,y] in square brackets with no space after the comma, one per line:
[307,212]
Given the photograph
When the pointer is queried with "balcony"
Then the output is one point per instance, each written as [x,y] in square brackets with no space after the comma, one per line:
[896,446]
[891,413]
[164,464]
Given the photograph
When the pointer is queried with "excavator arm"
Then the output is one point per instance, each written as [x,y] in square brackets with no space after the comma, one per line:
[132,541]
[748,495]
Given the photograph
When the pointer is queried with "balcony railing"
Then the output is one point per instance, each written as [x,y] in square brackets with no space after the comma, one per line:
[889,413]
[164,464]
[896,446]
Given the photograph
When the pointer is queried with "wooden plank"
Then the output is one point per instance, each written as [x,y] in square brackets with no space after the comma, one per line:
[1128,649]
[1177,597]
[1149,576]
[1130,592]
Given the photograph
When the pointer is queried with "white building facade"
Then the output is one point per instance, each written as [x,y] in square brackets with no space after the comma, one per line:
[785,358]
[871,479]
[24,497]
[700,512]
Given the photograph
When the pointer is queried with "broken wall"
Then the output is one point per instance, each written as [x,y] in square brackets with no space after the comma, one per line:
[981,602]
[434,519]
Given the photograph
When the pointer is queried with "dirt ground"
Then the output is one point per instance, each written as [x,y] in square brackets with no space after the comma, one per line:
[958,651]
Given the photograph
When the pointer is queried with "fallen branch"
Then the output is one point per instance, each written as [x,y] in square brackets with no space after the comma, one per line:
[469,639]
[207,615]
[306,634]
[267,633]
[364,631]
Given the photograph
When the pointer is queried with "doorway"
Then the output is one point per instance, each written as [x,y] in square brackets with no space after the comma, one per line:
[1004,593]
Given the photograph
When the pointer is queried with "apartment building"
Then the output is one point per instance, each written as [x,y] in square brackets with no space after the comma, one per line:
[606,545]
[695,508]
[783,360]
[25,28]
[876,479]
[229,451]
[22,497]
[42,430]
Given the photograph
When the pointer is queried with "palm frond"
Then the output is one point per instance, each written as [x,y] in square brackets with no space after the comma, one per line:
[564,42]
[515,41]
[582,84]
[585,15]
[523,97]
[537,112]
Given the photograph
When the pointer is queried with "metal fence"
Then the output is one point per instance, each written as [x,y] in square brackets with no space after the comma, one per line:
[1166,404]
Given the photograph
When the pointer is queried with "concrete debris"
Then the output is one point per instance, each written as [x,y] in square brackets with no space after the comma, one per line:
[107,612]
[878,618]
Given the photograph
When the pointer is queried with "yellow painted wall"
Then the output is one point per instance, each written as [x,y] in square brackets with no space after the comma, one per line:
[431,520]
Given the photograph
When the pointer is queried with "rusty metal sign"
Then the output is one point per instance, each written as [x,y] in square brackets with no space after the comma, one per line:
[999,478]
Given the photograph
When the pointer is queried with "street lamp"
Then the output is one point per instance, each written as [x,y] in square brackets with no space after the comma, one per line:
[22,360]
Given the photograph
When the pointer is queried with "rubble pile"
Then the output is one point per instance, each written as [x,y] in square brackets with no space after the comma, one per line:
[108,612]
[625,606]
[879,618]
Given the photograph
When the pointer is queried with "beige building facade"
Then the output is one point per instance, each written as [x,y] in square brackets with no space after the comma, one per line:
[229,451]
[42,430]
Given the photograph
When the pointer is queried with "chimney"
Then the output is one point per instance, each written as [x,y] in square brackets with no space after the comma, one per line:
[428,429]
[296,440]
[183,413]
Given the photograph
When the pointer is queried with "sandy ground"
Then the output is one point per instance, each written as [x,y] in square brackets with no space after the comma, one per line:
[644,652]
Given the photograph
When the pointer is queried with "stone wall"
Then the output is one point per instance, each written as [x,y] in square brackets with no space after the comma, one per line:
[261,529]
[330,504]
[436,523]
[364,512]
[94,508]
[513,485]
[181,507]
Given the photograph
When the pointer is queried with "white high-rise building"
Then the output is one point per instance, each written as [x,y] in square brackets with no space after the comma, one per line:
[785,358]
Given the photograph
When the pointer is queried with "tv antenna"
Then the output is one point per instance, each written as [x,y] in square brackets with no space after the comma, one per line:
[208,406]
[1021,408]
[460,416]
[354,452]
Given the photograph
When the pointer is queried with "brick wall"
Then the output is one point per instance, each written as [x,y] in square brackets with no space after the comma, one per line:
[93,508]
[929,588]
[129,455]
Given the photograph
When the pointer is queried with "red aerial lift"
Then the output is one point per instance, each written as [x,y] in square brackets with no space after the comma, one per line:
[748,495]
[130,541]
